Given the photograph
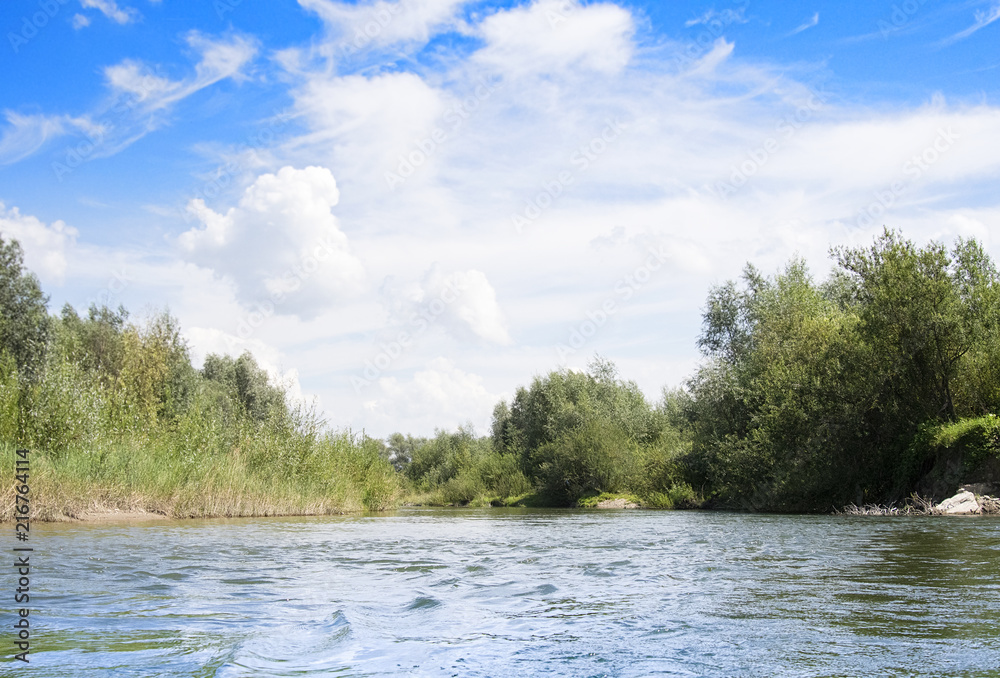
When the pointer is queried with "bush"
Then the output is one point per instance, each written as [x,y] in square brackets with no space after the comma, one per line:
[594,458]
[978,439]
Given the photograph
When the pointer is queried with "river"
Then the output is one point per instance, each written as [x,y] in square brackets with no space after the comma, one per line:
[510,592]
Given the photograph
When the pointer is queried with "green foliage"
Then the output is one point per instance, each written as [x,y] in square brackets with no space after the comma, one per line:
[594,457]
[815,395]
[400,448]
[247,384]
[120,418]
[978,438]
[10,399]
[576,434]
[461,468]
[811,396]
[24,320]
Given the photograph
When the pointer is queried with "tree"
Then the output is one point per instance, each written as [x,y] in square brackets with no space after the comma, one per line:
[399,450]
[24,320]
[247,384]
[923,310]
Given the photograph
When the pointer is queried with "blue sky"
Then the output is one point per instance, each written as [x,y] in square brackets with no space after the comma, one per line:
[406,209]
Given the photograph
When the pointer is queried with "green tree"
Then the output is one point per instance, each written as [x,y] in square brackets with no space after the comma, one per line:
[24,320]
[247,384]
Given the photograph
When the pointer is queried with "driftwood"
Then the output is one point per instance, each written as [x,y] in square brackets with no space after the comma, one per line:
[914,506]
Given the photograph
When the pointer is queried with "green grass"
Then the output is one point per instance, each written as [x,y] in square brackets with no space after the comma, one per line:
[334,474]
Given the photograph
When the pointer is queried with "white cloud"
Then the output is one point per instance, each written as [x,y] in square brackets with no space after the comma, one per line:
[80,21]
[281,244]
[111,10]
[25,134]
[808,164]
[715,18]
[983,19]
[441,396]
[132,77]
[45,246]
[557,35]
[139,98]
[814,21]
[356,28]
[218,60]
[684,130]
[462,302]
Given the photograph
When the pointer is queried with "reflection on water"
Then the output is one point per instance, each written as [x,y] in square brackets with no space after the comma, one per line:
[519,592]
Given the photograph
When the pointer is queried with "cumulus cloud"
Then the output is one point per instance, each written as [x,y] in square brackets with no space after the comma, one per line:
[463,303]
[281,244]
[440,396]
[803,164]
[45,246]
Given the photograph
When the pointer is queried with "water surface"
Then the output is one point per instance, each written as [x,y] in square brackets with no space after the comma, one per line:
[509,592]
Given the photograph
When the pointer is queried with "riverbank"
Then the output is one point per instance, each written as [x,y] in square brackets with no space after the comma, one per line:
[142,477]
[968,501]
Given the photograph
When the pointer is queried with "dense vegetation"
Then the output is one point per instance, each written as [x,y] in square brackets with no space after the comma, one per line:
[881,381]
[120,420]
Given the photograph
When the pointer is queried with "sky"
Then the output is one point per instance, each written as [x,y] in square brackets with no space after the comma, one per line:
[405,210]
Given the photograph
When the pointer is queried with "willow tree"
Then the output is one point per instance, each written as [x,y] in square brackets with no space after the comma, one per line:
[24,320]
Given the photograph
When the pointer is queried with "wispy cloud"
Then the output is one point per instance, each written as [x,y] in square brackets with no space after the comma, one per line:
[139,98]
[983,19]
[726,17]
[806,26]
[25,134]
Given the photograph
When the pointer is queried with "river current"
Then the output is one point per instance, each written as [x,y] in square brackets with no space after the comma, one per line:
[511,592]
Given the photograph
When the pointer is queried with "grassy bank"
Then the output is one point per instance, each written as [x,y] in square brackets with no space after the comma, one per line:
[118,419]
[336,475]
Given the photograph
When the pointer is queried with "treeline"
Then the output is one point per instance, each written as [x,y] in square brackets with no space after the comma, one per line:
[570,438]
[122,420]
[879,382]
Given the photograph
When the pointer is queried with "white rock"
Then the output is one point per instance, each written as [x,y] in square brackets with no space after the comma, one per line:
[962,503]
